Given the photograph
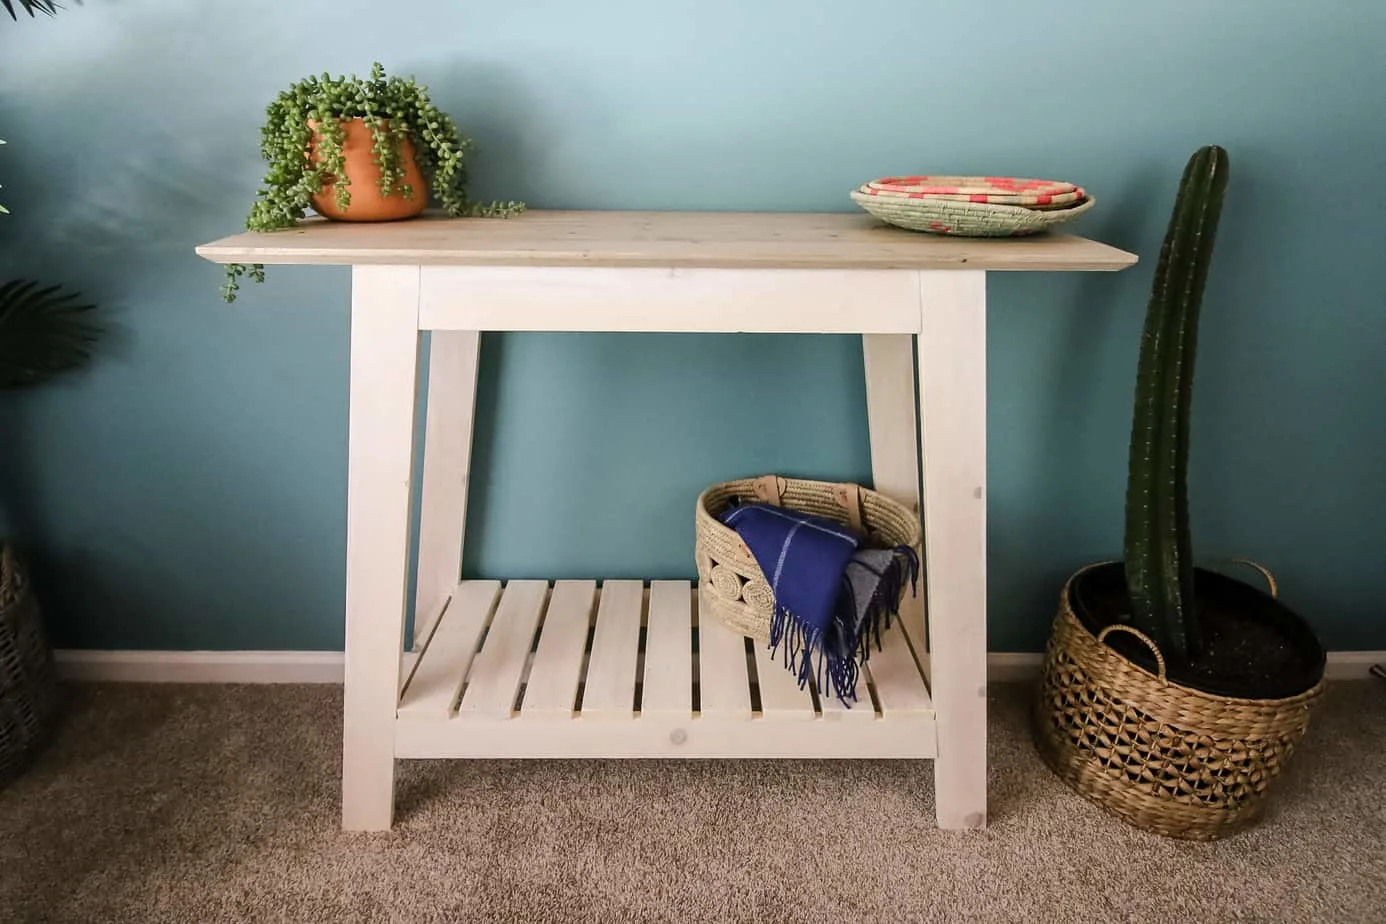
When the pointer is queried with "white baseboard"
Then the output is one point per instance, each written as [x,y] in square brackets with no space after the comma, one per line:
[1353,665]
[200,666]
[327,666]
[1013,666]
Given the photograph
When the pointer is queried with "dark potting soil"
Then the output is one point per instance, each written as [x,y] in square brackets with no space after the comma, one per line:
[1254,647]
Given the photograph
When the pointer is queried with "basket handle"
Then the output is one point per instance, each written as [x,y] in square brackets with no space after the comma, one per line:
[1154,649]
[1265,573]
[770,489]
[848,497]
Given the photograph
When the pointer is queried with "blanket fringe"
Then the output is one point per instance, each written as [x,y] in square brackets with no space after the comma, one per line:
[804,654]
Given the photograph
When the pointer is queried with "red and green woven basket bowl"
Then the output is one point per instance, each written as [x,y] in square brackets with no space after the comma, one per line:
[973,206]
[993,190]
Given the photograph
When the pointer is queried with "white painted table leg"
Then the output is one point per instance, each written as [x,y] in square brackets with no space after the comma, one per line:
[384,345]
[953,436]
[447,452]
[890,413]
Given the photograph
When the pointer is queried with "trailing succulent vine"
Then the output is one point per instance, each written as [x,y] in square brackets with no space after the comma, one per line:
[302,141]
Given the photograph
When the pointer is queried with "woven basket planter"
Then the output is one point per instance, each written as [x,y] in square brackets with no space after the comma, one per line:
[28,686]
[731,586]
[1167,758]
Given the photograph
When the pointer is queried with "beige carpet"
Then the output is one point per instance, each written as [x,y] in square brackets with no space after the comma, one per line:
[202,804]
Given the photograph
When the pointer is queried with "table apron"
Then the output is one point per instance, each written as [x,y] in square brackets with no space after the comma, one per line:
[484,298]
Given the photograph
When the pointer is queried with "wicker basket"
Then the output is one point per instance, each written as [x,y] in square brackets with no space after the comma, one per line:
[28,687]
[1167,758]
[966,219]
[1033,194]
[731,586]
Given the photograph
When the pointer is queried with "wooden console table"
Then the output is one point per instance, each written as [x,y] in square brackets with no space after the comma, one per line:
[573,669]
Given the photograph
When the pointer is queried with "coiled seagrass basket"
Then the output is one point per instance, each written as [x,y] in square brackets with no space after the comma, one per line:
[731,586]
[967,219]
[28,684]
[1167,758]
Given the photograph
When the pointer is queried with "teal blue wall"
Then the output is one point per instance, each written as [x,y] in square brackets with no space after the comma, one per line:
[187,490]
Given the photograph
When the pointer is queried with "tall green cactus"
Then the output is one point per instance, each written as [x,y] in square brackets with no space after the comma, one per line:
[1159,559]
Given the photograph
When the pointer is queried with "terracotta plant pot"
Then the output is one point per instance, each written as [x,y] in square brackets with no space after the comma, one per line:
[363,179]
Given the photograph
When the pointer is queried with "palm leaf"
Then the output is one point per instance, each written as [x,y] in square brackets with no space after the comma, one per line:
[32,7]
[43,331]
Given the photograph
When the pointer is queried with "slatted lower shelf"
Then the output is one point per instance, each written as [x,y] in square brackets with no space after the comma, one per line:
[571,669]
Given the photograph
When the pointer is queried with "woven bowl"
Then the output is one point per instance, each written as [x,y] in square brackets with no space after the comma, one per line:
[966,219]
[1164,757]
[731,586]
[1034,194]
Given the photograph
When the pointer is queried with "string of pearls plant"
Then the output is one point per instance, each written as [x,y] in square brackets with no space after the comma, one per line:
[302,140]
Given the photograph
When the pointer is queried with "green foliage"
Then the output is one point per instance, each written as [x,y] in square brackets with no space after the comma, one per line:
[393,108]
[43,331]
[234,272]
[32,7]
[1158,553]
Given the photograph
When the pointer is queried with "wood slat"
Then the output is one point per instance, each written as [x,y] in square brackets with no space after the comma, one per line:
[888,360]
[861,709]
[725,726]
[447,455]
[408,660]
[664,736]
[780,696]
[899,685]
[496,671]
[668,686]
[845,240]
[559,298]
[380,436]
[610,685]
[557,668]
[953,423]
[443,665]
[724,688]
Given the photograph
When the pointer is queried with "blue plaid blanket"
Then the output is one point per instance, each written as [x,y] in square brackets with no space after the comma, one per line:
[831,595]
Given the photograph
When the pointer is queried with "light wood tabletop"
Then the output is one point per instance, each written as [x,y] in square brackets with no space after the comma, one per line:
[727,240]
